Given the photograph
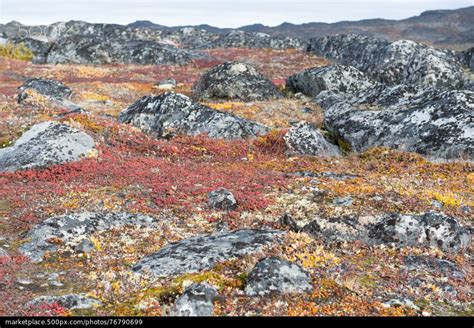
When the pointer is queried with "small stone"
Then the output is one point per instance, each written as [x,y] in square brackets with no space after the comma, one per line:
[86,246]
[46,87]
[277,276]
[196,301]
[343,201]
[222,199]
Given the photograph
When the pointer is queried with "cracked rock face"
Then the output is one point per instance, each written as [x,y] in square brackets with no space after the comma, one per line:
[72,229]
[392,63]
[170,113]
[70,301]
[277,276]
[50,88]
[196,301]
[203,252]
[46,143]
[436,124]
[222,199]
[305,139]
[338,78]
[236,81]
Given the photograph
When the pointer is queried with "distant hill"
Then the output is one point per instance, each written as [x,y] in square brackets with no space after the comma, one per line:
[442,28]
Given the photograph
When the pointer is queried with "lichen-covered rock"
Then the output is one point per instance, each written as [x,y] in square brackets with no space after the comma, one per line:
[277,276]
[94,49]
[242,39]
[203,252]
[338,78]
[70,301]
[47,87]
[236,81]
[170,113]
[196,301]
[437,124]
[396,62]
[427,230]
[46,144]
[72,229]
[222,199]
[467,58]
[422,264]
[305,139]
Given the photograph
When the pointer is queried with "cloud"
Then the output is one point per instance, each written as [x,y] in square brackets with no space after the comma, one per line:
[222,13]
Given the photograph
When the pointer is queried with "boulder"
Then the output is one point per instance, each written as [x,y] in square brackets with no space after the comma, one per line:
[73,229]
[49,88]
[337,78]
[196,301]
[222,199]
[95,49]
[396,62]
[46,143]
[277,276]
[235,81]
[305,139]
[203,252]
[242,39]
[434,123]
[170,113]
[432,265]
[70,301]
[433,230]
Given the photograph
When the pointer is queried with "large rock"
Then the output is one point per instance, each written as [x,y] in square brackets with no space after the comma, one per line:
[434,123]
[196,301]
[94,49]
[46,144]
[69,301]
[72,229]
[305,139]
[338,78]
[203,252]
[47,87]
[432,265]
[242,39]
[236,81]
[395,62]
[170,113]
[277,276]
[426,230]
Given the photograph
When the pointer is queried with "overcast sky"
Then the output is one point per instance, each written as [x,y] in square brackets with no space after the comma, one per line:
[222,13]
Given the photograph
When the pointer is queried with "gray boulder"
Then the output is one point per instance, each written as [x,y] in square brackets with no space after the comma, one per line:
[338,78]
[46,144]
[242,39]
[203,252]
[236,81]
[437,124]
[396,62]
[222,199]
[305,139]
[72,229]
[444,268]
[70,301]
[170,113]
[277,276]
[433,230]
[196,301]
[47,87]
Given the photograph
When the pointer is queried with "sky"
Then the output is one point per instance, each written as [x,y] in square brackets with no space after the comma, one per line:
[221,13]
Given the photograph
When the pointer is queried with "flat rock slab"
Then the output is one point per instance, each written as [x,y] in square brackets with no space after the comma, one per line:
[70,301]
[72,229]
[50,88]
[277,276]
[236,81]
[169,114]
[305,139]
[46,144]
[338,78]
[203,252]
[196,301]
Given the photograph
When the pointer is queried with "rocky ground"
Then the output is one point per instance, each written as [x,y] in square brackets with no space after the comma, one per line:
[215,186]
